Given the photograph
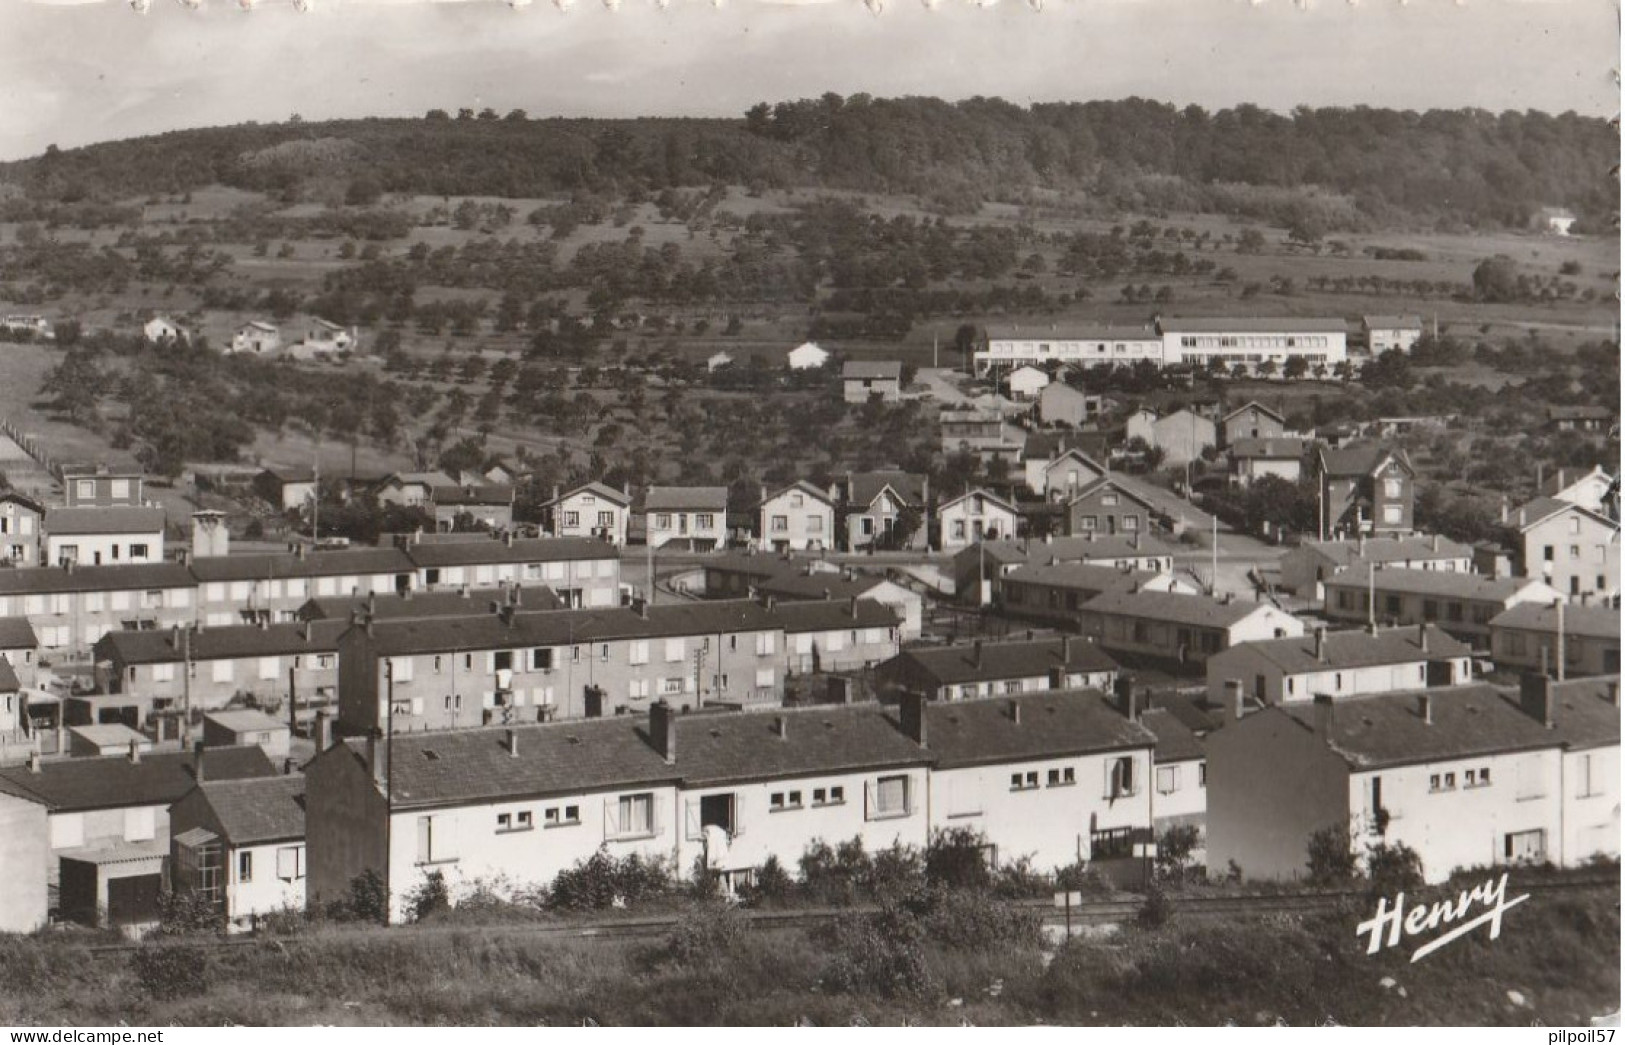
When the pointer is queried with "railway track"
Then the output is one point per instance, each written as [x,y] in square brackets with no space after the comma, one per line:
[1090,913]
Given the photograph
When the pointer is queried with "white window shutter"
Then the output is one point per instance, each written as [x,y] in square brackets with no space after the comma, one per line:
[612,825]
[868,799]
[417,705]
[1109,763]
[739,815]
[657,816]
[691,818]
[490,661]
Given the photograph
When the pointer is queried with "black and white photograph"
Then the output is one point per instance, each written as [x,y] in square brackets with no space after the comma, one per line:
[809,514]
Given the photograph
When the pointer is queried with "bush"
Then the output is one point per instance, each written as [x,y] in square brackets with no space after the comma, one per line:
[773,884]
[368,900]
[1331,856]
[707,932]
[168,971]
[598,882]
[429,897]
[1156,910]
[188,914]
[1174,850]
[956,858]
[1393,869]
[895,873]
[833,876]
[881,954]
[974,920]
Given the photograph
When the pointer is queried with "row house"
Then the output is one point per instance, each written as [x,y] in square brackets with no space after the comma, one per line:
[1579,418]
[800,517]
[1366,489]
[1111,506]
[1461,603]
[1054,779]
[874,506]
[848,635]
[583,573]
[979,566]
[22,520]
[71,607]
[107,822]
[1056,594]
[1306,566]
[461,602]
[239,846]
[1573,548]
[989,669]
[1252,341]
[1182,628]
[791,580]
[694,518]
[973,517]
[103,536]
[1467,777]
[1251,421]
[1567,640]
[1179,768]
[486,506]
[265,588]
[1350,663]
[213,668]
[593,510]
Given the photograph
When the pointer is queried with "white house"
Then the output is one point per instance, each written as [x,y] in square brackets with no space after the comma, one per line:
[1184,628]
[1467,777]
[992,669]
[800,517]
[718,361]
[256,338]
[1596,489]
[974,516]
[1570,547]
[1179,787]
[807,356]
[1388,333]
[160,329]
[591,510]
[1350,663]
[240,844]
[1253,340]
[1061,477]
[104,536]
[1026,382]
[695,517]
[1313,561]
[1081,346]
[21,520]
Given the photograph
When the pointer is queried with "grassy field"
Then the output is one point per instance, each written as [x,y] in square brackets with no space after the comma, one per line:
[1556,963]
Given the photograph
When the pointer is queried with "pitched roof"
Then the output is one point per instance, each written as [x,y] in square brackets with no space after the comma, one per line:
[34,580]
[428,603]
[265,809]
[1372,732]
[19,498]
[831,615]
[870,370]
[1592,622]
[1432,582]
[1390,549]
[1358,460]
[1269,449]
[1113,482]
[991,661]
[244,720]
[1078,576]
[1042,446]
[981,494]
[9,682]
[597,489]
[1070,333]
[1252,325]
[1175,740]
[1254,404]
[1564,478]
[354,562]
[1195,610]
[17,633]
[489,551]
[474,493]
[818,585]
[165,646]
[722,749]
[429,479]
[1053,724]
[863,487]
[1358,648]
[288,474]
[686,499]
[114,782]
[1542,508]
[1584,713]
[1069,549]
[67,522]
[802,486]
[1392,322]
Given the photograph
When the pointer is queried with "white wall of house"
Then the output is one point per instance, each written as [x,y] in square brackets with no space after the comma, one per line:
[966,520]
[1590,804]
[586,514]
[275,880]
[24,861]
[1102,680]
[106,549]
[1179,791]
[1279,687]
[664,527]
[1033,809]
[469,844]
[1576,553]
[795,520]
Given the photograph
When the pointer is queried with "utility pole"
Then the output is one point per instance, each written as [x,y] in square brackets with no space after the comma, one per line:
[1562,657]
[186,689]
[316,494]
[1214,583]
[1371,595]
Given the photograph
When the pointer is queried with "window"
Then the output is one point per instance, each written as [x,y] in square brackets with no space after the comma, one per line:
[632,815]
[671,687]
[163,673]
[1393,514]
[561,816]
[704,521]
[1120,777]
[435,837]
[674,650]
[1201,774]
[1108,500]
[1589,777]
[572,518]
[541,659]
[1023,781]
[781,523]
[1475,778]
[888,796]
[1393,488]
[137,551]
[1062,777]
[781,800]
[1167,780]
[290,863]
[815,524]
[245,866]
[833,796]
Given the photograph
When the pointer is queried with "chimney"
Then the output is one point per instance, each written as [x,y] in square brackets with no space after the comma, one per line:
[304,631]
[976,655]
[135,752]
[1324,715]
[289,765]
[1320,643]
[1536,697]
[375,765]
[513,744]
[33,761]
[1424,708]
[1015,711]
[1422,636]
[663,731]
[854,607]
[1233,699]
[1066,651]
[770,602]
[1613,692]
[324,732]
[507,539]
[1435,542]
[911,709]
[1362,546]
[781,727]
[372,603]
[1562,641]
[643,608]
[197,762]
[299,550]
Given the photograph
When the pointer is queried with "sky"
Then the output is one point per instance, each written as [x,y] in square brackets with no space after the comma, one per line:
[75,72]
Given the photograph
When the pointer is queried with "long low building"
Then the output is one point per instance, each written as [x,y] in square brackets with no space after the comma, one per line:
[989,669]
[1056,594]
[1248,341]
[1168,626]
[1055,778]
[1525,637]
[1460,603]
[1340,663]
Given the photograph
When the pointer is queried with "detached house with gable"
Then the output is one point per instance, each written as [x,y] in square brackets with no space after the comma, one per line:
[800,517]
[872,504]
[1570,547]
[692,517]
[240,845]
[593,510]
[1367,489]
